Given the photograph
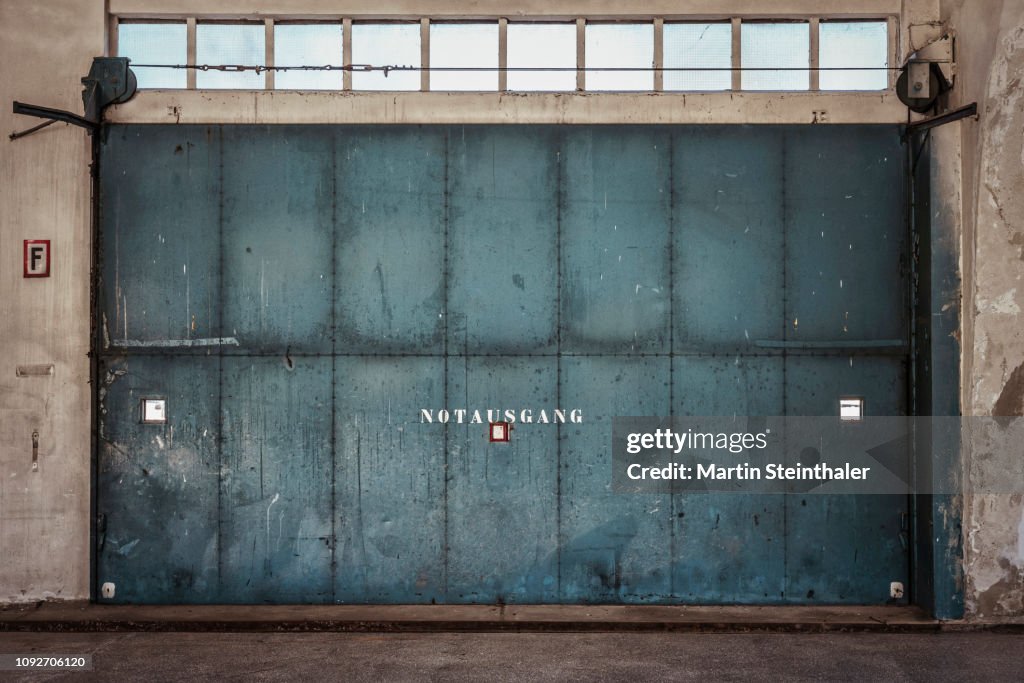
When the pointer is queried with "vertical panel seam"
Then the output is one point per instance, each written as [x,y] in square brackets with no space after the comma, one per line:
[671,344]
[785,361]
[444,342]
[334,367]
[559,198]
[220,360]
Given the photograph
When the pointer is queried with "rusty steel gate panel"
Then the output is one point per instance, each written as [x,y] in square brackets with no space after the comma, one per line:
[298,296]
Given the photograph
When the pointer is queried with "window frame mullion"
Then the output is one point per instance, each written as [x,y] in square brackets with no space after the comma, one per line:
[190,53]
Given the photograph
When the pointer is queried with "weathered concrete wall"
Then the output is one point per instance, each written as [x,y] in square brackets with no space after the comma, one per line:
[990,56]
[45,48]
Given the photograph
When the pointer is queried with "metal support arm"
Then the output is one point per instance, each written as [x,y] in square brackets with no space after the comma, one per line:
[54,115]
[949,117]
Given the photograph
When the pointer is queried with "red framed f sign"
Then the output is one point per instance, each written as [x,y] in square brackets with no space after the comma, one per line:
[500,431]
[37,258]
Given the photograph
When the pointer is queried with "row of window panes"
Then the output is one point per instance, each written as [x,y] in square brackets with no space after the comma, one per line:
[696,57]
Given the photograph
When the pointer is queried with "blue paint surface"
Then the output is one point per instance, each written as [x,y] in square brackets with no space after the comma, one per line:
[299,294]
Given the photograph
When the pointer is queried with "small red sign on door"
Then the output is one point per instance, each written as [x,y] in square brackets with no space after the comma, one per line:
[500,431]
[37,258]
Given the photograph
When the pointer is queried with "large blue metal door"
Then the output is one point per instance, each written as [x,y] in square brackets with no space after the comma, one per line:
[299,295]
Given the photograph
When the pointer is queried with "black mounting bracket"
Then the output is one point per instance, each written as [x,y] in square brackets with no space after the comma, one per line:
[110,81]
[964,112]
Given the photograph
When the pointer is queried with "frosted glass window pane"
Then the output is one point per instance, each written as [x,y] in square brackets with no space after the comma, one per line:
[307,45]
[155,44]
[231,44]
[619,46]
[849,44]
[542,46]
[775,45]
[704,46]
[386,45]
[464,45]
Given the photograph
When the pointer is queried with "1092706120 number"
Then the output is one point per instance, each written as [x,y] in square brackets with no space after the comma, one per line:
[50,661]
[16,662]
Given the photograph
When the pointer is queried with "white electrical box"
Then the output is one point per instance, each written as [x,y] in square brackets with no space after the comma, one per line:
[154,411]
[851,409]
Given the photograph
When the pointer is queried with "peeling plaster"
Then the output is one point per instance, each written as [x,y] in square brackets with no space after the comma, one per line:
[1005,304]
[1020,540]
[990,70]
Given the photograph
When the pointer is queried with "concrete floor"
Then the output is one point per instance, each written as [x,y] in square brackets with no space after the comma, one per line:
[975,656]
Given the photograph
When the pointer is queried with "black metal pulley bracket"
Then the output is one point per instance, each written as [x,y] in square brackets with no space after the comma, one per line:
[110,81]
